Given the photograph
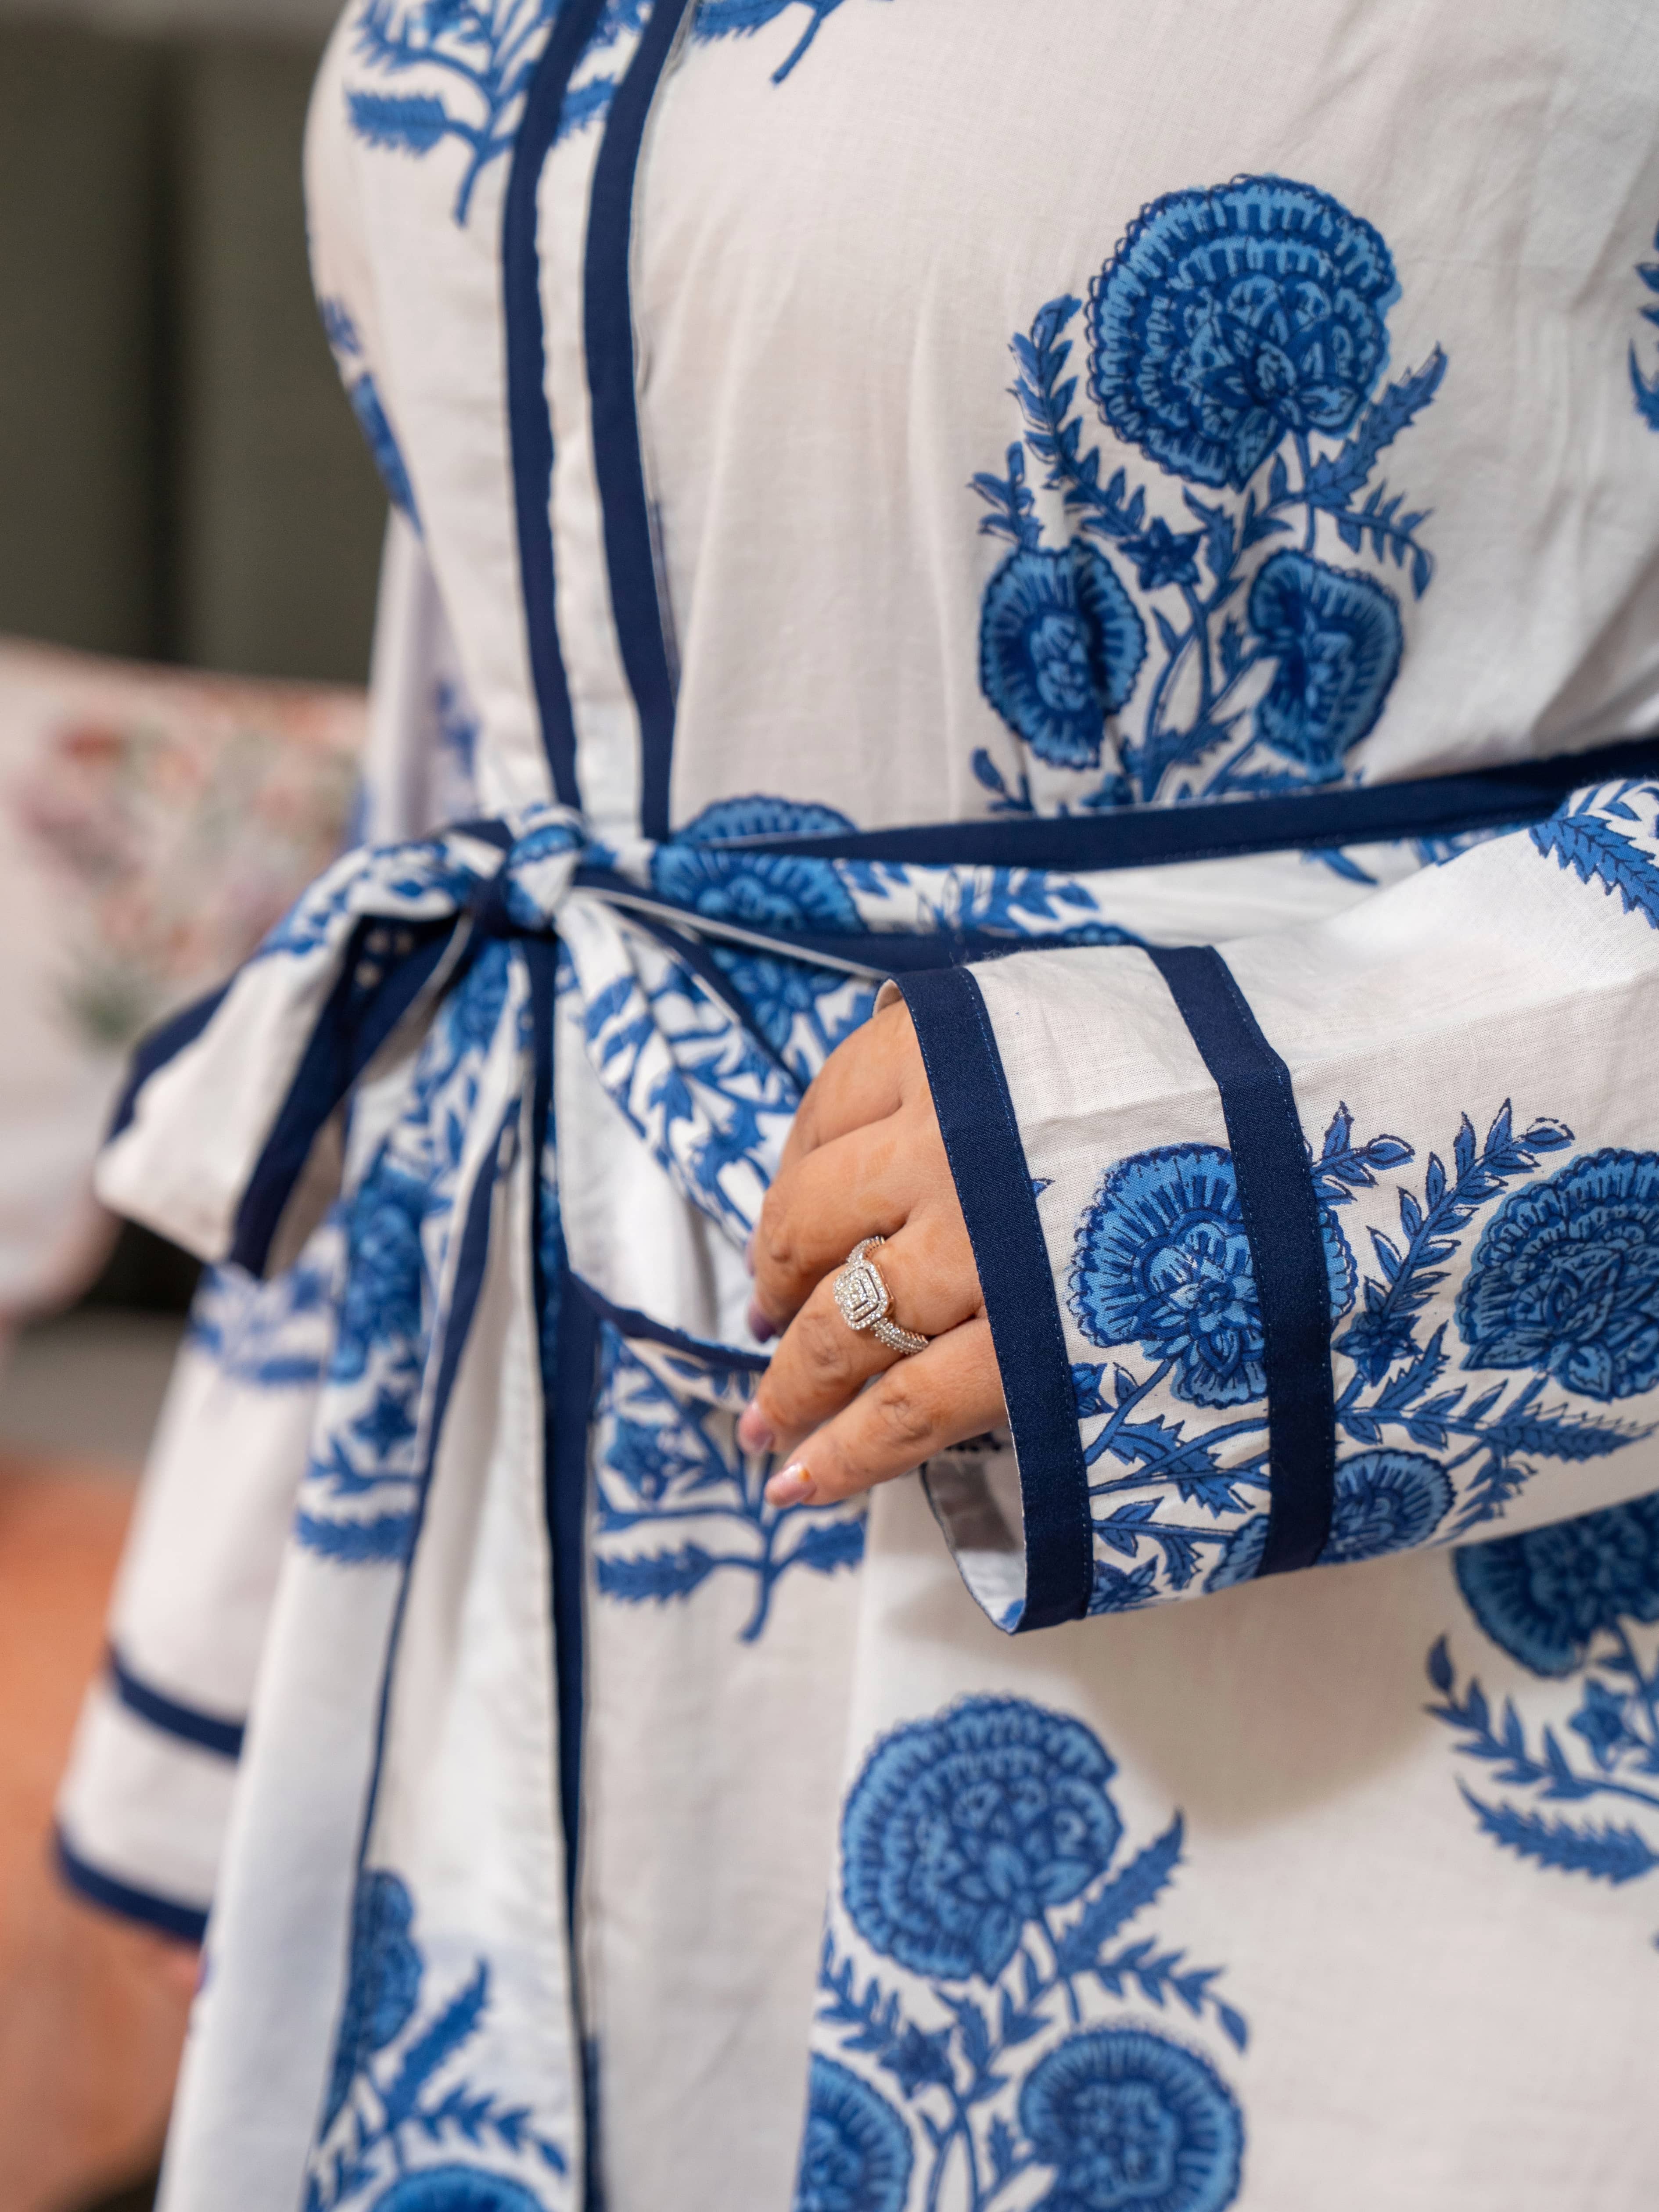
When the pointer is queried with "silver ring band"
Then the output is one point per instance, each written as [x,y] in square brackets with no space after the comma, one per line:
[866,1302]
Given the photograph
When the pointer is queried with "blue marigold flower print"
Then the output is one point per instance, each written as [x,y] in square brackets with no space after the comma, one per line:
[767,890]
[1337,638]
[1230,318]
[456,2189]
[1163,1259]
[384,1983]
[855,2154]
[385,1267]
[1565,1278]
[1126,2119]
[1061,644]
[961,1830]
[1385,1501]
[1544,1595]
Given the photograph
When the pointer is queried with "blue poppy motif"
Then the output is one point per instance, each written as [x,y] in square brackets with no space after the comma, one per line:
[1570,1599]
[986,1866]
[384,1984]
[457,2189]
[1060,646]
[961,1830]
[1545,1596]
[1335,637]
[1126,2119]
[856,2153]
[385,1270]
[1236,335]
[1163,1259]
[1565,1278]
[1232,318]
[1385,1501]
[699,868]
[393,2094]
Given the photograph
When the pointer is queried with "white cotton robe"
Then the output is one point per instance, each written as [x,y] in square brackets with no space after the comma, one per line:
[815,421]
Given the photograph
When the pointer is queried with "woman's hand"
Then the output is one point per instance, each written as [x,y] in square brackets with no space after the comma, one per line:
[865,1159]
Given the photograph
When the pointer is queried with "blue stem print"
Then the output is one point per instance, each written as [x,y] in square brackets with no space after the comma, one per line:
[985,1861]
[1644,387]
[1237,338]
[472,61]
[670,1466]
[1583,837]
[724,18]
[1559,1286]
[1579,1598]
[393,2097]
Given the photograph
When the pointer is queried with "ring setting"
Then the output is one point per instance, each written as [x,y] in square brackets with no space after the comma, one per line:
[866,1302]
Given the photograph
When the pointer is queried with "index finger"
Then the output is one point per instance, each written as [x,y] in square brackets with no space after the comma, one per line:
[862,1081]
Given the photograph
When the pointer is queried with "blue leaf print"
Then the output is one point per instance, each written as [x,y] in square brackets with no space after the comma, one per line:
[477,58]
[1645,389]
[724,18]
[668,1461]
[1233,331]
[982,1863]
[1568,1599]
[385,2107]
[1597,852]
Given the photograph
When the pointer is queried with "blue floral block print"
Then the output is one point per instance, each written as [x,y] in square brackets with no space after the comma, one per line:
[1561,1285]
[855,2154]
[678,1501]
[1237,339]
[983,1860]
[366,405]
[1644,387]
[395,2095]
[1575,1600]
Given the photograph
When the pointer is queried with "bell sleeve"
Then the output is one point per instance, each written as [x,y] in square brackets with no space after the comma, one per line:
[1317,1245]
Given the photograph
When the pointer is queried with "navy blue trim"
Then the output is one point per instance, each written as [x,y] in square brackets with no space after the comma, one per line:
[569,1365]
[153,1050]
[530,428]
[988,1162]
[1287,1249]
[629,1322]
[883,952]
[186,1922]
[207,1731]
[1507,797]
[358,1019]
[608,326]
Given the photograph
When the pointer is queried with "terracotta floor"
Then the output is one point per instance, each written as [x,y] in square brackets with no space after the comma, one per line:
[91,2011]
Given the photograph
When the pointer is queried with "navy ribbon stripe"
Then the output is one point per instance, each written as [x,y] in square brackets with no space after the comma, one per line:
[1509,797]
[529,426]
[207,1731]
[188,1922]
[608,325]
[988,1162]
[1287,1249]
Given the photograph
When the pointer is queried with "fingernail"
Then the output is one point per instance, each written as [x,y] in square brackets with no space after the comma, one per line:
[791,1486]
[760,1328]
[754,1431]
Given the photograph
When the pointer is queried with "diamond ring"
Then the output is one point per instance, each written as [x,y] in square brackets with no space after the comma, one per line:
[864,1301]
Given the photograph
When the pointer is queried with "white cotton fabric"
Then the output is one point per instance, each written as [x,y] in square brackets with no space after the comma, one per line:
[1337,1886]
